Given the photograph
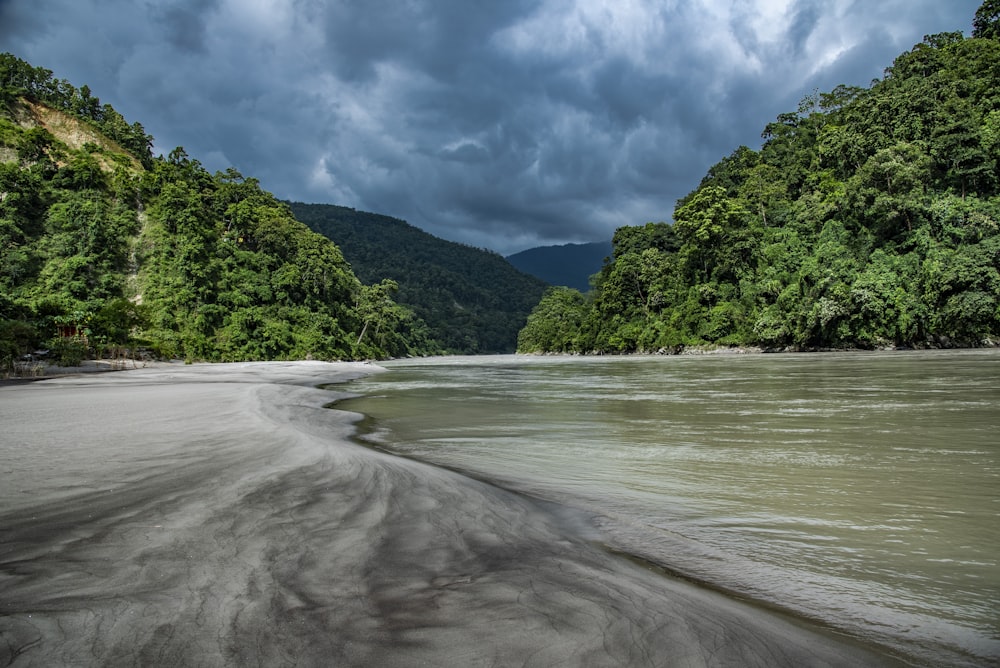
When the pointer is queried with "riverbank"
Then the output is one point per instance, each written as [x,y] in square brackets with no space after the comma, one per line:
[31,371]
[714,349]
[220,515]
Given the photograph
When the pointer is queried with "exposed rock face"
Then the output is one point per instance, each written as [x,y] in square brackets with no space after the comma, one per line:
[69,130]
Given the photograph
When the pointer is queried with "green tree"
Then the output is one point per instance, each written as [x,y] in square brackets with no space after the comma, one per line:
[986,23]
[957,147]
[763,189]
[17,339]
[376,308]
[555,324]
[715,236]
[888,194]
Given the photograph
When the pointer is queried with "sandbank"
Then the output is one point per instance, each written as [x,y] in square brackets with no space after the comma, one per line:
[220,515]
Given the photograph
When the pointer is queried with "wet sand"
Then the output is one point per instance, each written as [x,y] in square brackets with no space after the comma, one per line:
[219,515]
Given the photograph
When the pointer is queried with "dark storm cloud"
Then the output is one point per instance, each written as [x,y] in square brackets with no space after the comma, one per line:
[805,19]
[503,124]
[184,23]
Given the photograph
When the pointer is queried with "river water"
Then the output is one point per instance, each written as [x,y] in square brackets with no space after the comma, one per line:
[858,490]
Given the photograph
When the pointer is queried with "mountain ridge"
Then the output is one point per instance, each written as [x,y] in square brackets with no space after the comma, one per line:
[570,265]
[471,300]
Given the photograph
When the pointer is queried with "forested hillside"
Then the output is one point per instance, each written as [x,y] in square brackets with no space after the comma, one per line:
[868,218]
[568,265]
[103,246]
[472,300]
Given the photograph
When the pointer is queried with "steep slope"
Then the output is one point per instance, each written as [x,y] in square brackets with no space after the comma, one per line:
[103,246]
[868,218]
[568,265]
[472,300]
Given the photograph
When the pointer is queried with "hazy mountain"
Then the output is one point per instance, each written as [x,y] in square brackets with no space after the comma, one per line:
[569,265]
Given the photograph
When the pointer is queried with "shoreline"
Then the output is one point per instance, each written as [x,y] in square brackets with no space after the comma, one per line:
[102,366]
[46,371]
[221,515]
[670,573]
[708,349]
[575,469]
[797,619]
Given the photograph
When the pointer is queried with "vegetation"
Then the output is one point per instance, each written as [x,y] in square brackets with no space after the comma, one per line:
[19,80]
[103,246]
[470,300]
[868,218]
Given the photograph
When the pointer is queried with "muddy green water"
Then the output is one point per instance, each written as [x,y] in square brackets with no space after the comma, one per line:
[860,490]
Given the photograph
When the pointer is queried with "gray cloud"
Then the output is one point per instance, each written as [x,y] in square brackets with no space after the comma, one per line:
[504,125]
[184,23]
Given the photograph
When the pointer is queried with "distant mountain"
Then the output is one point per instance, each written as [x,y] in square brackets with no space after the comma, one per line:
[569,265]
[472,300]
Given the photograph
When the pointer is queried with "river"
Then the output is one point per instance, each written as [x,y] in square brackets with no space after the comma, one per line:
[857,490]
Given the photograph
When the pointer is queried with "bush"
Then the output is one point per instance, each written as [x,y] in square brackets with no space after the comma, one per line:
[67,351]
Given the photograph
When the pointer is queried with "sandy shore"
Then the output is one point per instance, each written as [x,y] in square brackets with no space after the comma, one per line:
[218,515]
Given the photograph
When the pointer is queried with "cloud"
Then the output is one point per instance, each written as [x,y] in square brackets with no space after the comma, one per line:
[184,24]
[504,125]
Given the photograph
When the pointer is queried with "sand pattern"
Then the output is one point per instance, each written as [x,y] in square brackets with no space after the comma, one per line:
[219,515]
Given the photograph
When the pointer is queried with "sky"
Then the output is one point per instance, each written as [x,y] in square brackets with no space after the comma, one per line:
[502,124]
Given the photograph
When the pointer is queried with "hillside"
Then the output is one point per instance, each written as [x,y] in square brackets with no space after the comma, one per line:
[870,217]
[471,300]
[569,265]
[105,248]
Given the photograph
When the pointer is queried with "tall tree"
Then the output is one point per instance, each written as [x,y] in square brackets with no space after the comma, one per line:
[986,23]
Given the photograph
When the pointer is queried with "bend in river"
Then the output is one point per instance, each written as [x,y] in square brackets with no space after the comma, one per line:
[861,490]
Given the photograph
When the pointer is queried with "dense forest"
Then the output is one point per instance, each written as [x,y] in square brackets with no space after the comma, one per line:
[471,300]
[868,218]
[104,248]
